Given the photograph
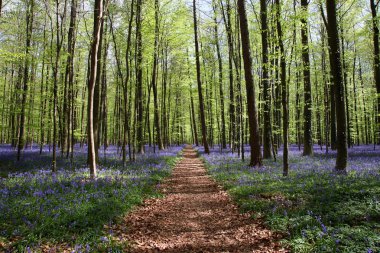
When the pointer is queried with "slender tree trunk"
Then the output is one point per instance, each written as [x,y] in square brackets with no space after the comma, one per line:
[58,46]
[227,21]
[130,137]
[147,111]
[366,138]
[169,134]
[285,109]
[345,82]
[221,93]
[376,60]
[83,99]
[252,111]
[199,82]
[97,102]
[164,96]
[317,106]
[30,130]
[125,93]
[194,120]
[208,105]
[43,96]
[69,75]
[336,69]
[98,16]
[297,80]
[326,90]
[298,109]
[103,99]
[239,97]
[154,78]
[17,100]
[357,141]
[4,102]
[333,134]
[332,116]
[126,132]
[139,81]
[191,126]
[29,30]
[265,81]
[308,138]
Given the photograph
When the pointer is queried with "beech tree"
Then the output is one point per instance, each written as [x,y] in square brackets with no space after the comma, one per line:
[29,30]
[336,70]
[251,100]
[220,68]
[284,90]
[69,82]
[376,56]
[139,81]
[227,21]
[98,16]
[167,74]
[267,152]
[199,82]
[154,77]
[307,138]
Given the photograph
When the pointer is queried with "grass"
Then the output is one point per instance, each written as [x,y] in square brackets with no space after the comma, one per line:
[39,208]
[318,211]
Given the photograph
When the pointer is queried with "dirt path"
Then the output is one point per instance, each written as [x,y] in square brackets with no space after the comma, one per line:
[195,216]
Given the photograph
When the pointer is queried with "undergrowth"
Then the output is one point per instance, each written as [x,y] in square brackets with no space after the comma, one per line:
[316,210]
[39,208]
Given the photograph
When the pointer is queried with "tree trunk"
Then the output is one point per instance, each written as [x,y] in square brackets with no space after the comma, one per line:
[345,84]
[199,82]
[265,81]
[252,111]
[285,109]
[29,30]
[194,118]
[376,60]
[227,22]
[43,96]
[336,69]
[308,138]
[97,102]
[223,141]
[239,97]
[164,96]
[154,78]
[366,139]
[98,16]
[103,99]
[126,132]
[332,98]
[357,139]
[58,45]
[326,90]
[69,75]
[139,89]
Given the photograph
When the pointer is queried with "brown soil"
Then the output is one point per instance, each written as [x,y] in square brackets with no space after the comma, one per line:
[196,215]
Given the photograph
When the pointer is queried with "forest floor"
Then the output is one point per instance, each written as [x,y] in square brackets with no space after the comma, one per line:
[66,211]
[169,201]
[317,210]
[196,215]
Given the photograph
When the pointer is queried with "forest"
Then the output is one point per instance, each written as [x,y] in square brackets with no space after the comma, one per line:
[189,126]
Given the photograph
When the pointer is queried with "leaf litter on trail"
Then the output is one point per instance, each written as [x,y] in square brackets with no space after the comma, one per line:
[195,216]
